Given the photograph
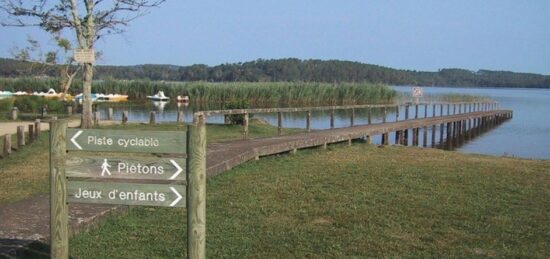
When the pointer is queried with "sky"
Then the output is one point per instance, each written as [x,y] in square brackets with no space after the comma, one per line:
[423,35]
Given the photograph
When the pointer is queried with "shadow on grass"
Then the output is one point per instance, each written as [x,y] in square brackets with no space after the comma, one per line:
[20,248]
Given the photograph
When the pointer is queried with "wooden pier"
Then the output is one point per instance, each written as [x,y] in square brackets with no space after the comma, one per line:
[462,121]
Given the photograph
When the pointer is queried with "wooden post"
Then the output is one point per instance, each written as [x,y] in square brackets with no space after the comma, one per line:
[433,135]
[397,113]
[425,111]
[449,131]
[397,141]
[352,117]
[280,123]
[69,110]
[385,115]
[406,112]
[369,140]
[433,111]
[441,110]
[401,137]
[196,189]
[349,143]
[425,136]
[36,128]
[448,109]
[308,121]
[454,109]
[245,126]
[31,133]
[97,118]
[441,132]
[152,119]
[44,111]
[406,137]
[110,114]
[369,116]
[7,145]
[59,210]
[20,136]
[332,119]
[397,137]
[14,111]
[124,117]
[226,119]
[416,111]
[181,117]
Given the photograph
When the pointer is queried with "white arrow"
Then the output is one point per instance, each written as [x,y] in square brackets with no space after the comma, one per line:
[177,194]
[177,167]
[73,139]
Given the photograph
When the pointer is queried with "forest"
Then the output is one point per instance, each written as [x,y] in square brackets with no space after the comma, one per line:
[291,70]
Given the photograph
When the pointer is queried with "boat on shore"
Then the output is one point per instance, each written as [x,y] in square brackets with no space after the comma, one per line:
[182,99]
[112,98]
[158,97]
[49,94]
[5,93]
[21,93]
[103,97]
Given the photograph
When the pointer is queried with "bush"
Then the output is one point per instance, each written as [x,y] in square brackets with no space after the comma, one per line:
[34,104]
[238,104]
[6,104]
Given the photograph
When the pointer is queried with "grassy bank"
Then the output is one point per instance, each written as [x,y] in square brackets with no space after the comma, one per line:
[289,93]
[361,201]
[25,172]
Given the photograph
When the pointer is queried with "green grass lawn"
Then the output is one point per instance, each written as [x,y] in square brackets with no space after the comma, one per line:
[26,172]
[361,201]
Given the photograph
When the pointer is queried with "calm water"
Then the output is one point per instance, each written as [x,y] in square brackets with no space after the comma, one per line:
[526,135]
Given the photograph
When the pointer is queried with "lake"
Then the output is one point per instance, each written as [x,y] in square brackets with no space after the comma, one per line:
[527,135]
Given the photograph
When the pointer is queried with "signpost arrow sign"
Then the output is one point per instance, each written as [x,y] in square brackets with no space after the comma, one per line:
[126,193]
[120,167]
[127,141]
[73,139]
[179,169]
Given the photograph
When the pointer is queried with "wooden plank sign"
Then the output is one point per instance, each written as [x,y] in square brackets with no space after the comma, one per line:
[127,141]
[146,168]
[127,193]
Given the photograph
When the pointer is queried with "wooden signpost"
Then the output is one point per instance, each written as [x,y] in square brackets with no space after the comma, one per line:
[84,177]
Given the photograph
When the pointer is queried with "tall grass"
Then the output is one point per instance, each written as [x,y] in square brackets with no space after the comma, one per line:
[256,93]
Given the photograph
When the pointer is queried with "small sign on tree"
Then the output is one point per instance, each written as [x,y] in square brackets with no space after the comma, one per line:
[84,55]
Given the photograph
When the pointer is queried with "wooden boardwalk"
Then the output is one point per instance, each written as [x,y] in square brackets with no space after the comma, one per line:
[18,228]
[224,156]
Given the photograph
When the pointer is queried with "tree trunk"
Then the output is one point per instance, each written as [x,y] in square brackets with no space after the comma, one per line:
[87,121]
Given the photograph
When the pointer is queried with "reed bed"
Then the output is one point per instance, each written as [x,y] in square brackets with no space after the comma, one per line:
[255,92]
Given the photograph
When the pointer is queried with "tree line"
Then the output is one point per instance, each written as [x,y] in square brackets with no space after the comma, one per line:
[293,70]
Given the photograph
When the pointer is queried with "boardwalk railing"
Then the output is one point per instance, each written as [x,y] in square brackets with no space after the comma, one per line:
[456,108]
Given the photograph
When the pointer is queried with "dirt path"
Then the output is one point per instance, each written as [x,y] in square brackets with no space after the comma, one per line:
[11,127]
